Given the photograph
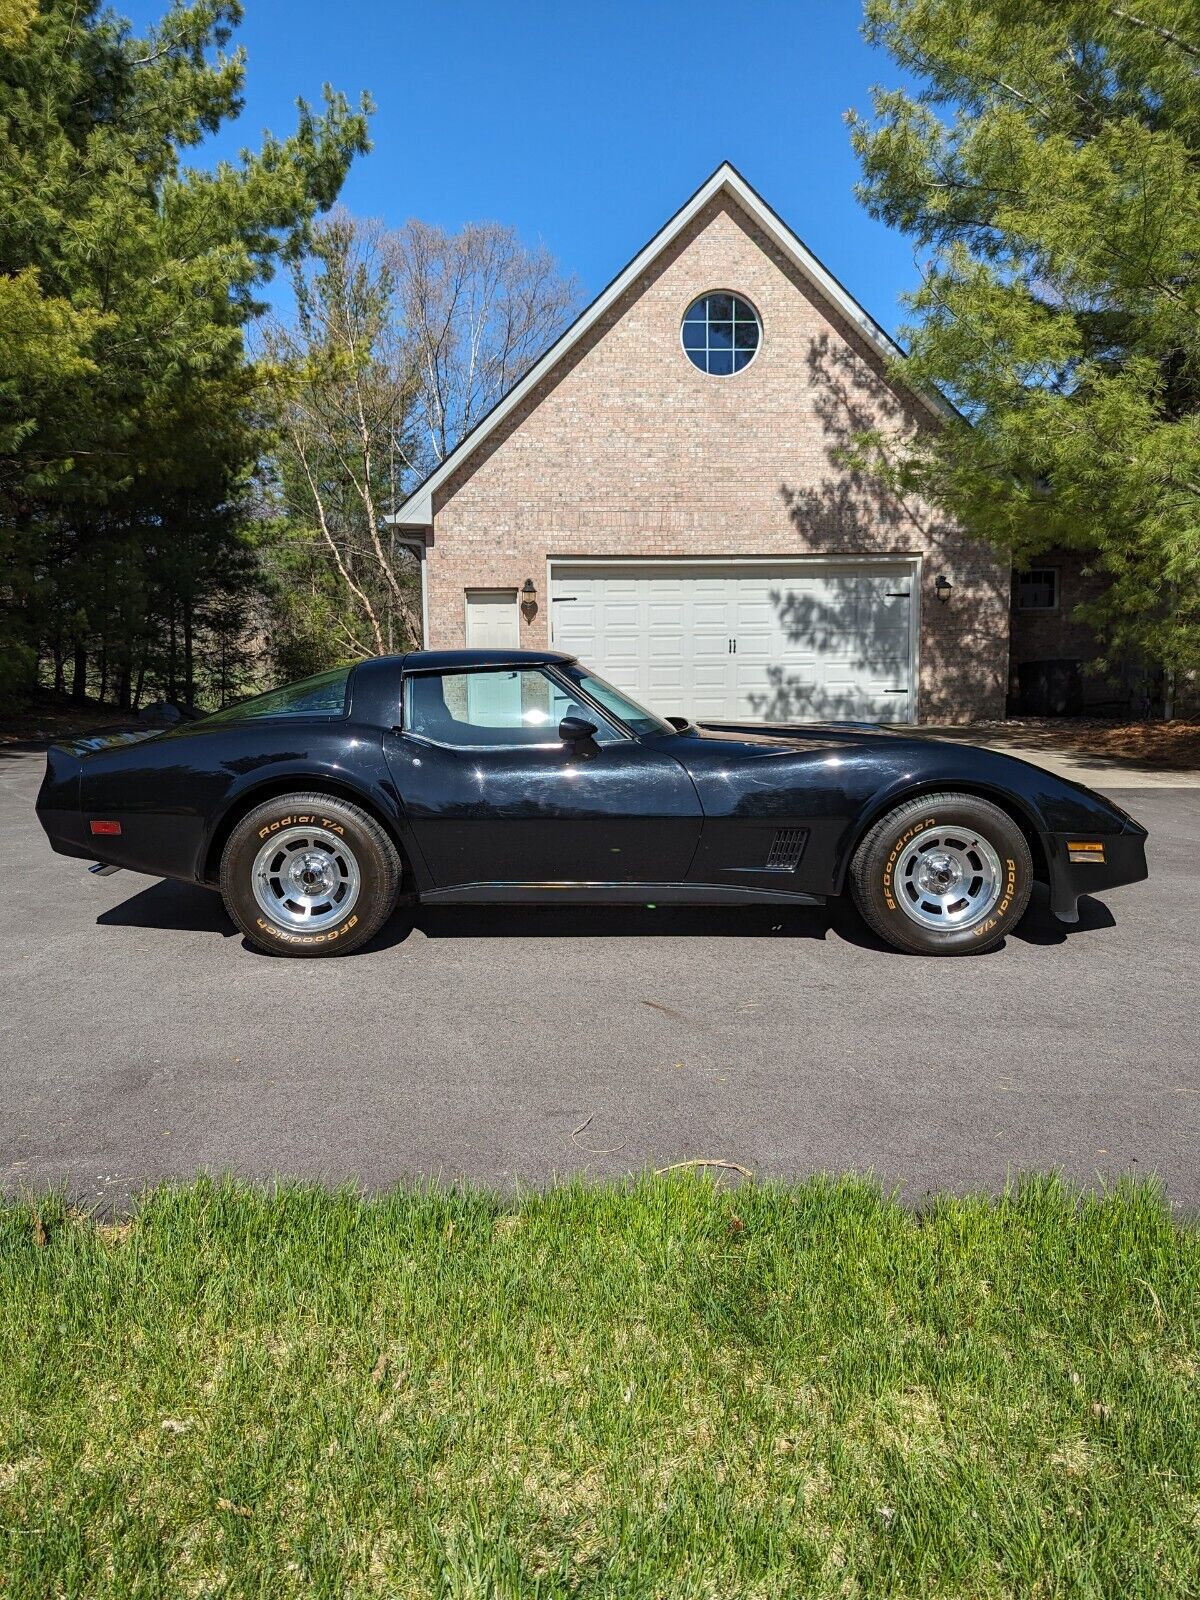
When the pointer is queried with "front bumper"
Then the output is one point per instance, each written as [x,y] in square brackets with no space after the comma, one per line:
[1082,863]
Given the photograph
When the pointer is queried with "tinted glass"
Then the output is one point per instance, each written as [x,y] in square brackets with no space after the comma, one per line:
[321,696]
[617,701]
[1037,590]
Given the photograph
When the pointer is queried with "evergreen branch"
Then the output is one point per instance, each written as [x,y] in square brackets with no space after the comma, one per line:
[1168,35]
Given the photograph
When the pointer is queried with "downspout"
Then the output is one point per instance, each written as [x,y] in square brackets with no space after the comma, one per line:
[423,558]
[416,543]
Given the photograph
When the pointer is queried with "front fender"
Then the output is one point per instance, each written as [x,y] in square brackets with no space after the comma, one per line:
[1051,809]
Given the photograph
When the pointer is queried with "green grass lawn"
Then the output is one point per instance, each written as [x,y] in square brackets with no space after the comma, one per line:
[668,1388]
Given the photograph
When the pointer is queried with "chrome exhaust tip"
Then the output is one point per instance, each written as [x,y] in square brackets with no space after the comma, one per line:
[102,870]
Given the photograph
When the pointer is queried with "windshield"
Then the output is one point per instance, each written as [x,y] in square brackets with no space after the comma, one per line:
[321,696]
[615,700]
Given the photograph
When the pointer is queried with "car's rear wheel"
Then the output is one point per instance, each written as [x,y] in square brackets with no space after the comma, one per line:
[944,875]
[309,875]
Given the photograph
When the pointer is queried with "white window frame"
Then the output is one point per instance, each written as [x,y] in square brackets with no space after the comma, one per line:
[1054,604]
[745,300]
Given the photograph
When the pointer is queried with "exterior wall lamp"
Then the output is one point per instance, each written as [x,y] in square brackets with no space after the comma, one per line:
[529,599]
[942,587]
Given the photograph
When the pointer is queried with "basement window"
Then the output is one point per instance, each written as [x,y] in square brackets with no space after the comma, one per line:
[1037,589]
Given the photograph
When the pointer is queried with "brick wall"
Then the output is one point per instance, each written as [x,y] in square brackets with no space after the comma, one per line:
[1059,635]
[627,449]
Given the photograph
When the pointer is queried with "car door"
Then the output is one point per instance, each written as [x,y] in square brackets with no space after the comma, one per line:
[493,795]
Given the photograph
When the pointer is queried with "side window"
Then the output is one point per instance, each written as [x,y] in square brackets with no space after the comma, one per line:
[1037,589]
[504,707]
[321,696]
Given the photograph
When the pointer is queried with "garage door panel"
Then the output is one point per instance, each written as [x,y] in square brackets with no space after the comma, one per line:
[812,644]
[624,648]
[706,675]
[709,614]
[620,616]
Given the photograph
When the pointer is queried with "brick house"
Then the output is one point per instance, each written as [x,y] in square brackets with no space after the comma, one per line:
[660,495]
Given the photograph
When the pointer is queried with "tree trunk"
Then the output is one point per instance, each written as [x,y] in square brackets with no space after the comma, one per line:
[60,674]
[124,698]
[172,683]
[103,672]
[79,674]
[189,665]
[140,685]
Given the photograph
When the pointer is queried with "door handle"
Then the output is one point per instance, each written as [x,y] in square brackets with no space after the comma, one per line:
[732,647]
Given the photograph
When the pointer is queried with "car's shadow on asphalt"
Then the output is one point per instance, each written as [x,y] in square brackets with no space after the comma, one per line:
[181,907]
[173,908]
[1039,925]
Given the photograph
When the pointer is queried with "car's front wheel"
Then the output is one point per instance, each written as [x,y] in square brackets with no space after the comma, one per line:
[309,875]
[944,875]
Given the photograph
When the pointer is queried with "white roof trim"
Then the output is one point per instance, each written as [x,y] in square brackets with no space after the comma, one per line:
[418,508]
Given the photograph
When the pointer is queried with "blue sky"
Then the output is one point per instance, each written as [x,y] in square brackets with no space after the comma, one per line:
[586,125]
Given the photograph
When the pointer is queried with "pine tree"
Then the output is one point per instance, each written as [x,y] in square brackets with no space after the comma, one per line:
[128,406]
[1048,168]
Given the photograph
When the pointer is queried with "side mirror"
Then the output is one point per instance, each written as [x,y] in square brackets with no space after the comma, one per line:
[681,724]
[574,730]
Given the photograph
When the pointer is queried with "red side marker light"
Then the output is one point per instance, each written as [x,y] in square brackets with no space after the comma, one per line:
[105,827]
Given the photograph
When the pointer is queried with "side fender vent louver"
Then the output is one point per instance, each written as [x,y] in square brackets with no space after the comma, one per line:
[786,849]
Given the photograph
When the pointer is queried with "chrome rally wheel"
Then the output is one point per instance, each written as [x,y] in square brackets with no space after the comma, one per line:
[306,879]
[309,874]
[943,875]
[948,879]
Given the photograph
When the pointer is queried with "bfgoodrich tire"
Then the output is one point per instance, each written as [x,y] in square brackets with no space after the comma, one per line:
[945,875]
[308,875]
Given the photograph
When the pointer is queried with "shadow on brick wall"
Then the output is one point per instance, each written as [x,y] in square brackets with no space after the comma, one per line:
[850,512]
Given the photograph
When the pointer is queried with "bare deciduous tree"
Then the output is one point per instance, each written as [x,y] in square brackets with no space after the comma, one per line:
[478,309]
[343,382]
[399,342]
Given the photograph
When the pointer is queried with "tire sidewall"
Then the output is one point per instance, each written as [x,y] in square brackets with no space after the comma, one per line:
[1005,838]
[376,875]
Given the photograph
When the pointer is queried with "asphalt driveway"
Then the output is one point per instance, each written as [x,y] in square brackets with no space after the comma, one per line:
[140,1039]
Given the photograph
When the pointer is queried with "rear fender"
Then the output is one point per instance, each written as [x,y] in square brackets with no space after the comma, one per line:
[379,798]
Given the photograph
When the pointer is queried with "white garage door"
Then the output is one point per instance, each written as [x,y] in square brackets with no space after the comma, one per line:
[808,643]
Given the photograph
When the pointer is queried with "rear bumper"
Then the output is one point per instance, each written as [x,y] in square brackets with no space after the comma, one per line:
[1120,858]
[64,829]
[58,804]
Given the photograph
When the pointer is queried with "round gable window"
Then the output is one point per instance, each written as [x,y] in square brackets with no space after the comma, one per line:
[721,333]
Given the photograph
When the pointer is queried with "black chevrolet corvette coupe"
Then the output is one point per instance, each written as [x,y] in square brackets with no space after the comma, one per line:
[487,776]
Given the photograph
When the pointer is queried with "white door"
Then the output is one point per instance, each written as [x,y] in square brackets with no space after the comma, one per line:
[493,624]
[769,643]
[492,619]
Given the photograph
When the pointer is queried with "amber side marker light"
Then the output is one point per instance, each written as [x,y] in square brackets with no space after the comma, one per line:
[105,827]
[1080,850]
